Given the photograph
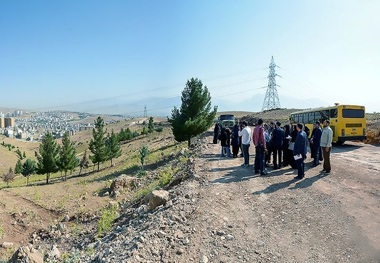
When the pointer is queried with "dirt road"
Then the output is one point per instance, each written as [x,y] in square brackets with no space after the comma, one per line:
[275,218]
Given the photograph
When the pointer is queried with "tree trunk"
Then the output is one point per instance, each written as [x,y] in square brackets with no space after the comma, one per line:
[47,178]
[65,175]
[98,166]
[80,171]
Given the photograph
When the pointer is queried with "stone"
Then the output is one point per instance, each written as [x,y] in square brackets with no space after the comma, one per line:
[157,198]
[27,254]
[7,245]
[121,182]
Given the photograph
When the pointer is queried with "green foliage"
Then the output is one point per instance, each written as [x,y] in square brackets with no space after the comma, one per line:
[68,160]
[97,143]
[140,173]
[195,115]
[125,135]
[19,154]
[159,129]
[85,162]
[144,131]
[28,168]
[113,146]
[144,151]
[151,125]
[48,156]
[135,134]
[18,167]
[166,176]
[24,155]
[106,220]
[9,177]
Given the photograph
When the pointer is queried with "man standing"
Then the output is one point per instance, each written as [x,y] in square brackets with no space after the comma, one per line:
[326,144]
[259,142]
[300,150]
[315,143]
[245,134]
[278,136]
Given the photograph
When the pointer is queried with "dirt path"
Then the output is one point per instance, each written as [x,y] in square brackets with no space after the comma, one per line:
[275,218]
[21,217]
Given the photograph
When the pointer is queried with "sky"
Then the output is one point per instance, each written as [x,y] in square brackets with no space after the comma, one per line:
[123,56]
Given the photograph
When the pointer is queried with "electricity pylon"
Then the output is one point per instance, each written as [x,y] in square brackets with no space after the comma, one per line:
[271,100]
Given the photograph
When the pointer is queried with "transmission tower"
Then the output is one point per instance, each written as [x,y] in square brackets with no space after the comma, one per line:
[145,112]
[271,100]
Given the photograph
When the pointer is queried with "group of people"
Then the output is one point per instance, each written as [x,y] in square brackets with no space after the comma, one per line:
[287,145]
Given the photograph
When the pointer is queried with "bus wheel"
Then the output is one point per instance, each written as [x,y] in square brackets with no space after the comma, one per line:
[339,142]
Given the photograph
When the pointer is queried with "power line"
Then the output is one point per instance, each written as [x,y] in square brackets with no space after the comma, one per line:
[271,100]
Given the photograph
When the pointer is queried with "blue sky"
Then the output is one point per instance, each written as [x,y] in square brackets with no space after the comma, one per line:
[118,56]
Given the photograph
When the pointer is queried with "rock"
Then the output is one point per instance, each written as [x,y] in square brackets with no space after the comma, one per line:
[66,218]
[121,182]
[157,198]
[204,259]
[26,254]
[7,245]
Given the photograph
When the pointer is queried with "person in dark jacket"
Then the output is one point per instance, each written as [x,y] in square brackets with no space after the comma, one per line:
[216,133]
[278,136]
[315,142]
[235,140]
[224,142]
[300,150]
[287,154]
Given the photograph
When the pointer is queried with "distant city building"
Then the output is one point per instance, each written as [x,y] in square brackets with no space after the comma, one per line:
[9,122]
[2,122]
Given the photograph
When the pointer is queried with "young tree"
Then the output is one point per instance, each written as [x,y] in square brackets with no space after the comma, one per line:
[18,167]
[19,154]
[97,143]
[195,115]
[9,177]
[85,162]
[144,151]
[28,168]
[113,146]
[68,160]
[48,156]
[151,125]
[24,155]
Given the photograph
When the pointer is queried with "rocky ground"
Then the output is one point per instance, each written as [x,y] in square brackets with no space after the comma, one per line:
[224,213]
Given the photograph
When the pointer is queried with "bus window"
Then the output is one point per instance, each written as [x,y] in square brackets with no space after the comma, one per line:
[311,117]
[300,119]
[325,114]
[353,113]
[317,116]
[333,113]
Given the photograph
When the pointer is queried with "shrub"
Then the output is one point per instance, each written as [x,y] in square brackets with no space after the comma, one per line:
[106,220]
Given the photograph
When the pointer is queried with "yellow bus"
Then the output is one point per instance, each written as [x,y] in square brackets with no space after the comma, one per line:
[348,122]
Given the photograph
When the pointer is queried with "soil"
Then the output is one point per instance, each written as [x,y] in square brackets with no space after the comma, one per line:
[276,218]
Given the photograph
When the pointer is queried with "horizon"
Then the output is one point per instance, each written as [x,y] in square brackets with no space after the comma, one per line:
[119,57]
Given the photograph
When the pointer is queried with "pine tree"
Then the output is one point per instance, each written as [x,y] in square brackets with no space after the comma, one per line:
[28,168]
[97,143]
[144,151]
[151,125]
[68,160]
[195,115]
[113,146]
[48,156]
[18,167]
[84,163]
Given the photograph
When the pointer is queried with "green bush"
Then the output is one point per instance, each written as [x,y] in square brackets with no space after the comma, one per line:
[106,220]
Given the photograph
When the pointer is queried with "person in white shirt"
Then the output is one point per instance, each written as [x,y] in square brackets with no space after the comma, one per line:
[326,144]
[246,137]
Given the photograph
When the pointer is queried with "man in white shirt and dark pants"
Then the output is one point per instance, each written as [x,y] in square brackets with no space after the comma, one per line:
[245,134]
